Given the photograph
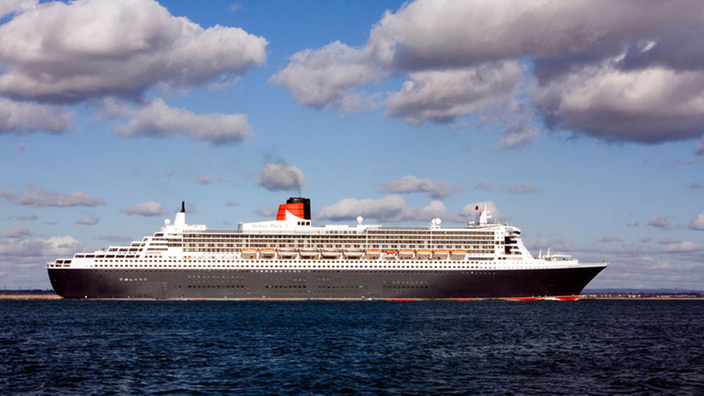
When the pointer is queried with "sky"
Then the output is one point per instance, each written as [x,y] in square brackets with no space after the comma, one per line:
[580,122]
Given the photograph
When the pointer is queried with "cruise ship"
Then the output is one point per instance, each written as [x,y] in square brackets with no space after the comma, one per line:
[291,259]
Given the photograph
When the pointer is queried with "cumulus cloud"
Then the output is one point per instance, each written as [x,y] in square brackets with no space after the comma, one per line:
[150,208]
[278,177]
[625,71]
[50,247]
[660,221]
[697,223]
[390,208]
[680,246]
[88,220]
[71,52]
[39,197]
[650,105]
[471,211]
[323,78]
[159,120]
[15,232]
[411,184]
[442,96]
[16,6]
[20,117]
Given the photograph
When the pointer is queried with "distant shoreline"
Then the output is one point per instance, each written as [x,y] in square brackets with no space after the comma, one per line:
[50,295]
[30,296]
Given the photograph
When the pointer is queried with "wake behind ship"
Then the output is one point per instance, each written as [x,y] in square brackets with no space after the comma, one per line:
[288,258]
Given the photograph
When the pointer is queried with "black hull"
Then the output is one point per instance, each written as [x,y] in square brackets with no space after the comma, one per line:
[319,284]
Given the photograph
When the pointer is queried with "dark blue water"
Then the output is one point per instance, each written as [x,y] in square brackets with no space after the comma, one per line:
[130,347]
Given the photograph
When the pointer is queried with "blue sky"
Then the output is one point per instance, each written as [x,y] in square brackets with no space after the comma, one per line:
[581,123]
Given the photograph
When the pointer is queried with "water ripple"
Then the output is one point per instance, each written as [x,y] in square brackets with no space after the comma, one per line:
[367,348]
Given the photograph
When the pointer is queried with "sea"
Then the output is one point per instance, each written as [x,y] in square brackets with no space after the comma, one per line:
[587,347]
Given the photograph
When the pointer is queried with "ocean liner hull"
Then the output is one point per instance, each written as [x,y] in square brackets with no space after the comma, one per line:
[565,283]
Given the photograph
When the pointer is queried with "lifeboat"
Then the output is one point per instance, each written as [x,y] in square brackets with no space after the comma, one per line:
[458,254]
[354,253]
[372,254]
[441,254]
[249,253]
[287,253]
[310,253]
[331,253]
[390,254]
[267,253]
[405,254]
[423,254]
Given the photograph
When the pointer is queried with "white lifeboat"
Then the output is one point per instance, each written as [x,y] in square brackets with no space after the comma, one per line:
[424,254]
[372,254]
[441,254]
[354,253]
[267,253]
[310,253]
[248,253]
[405,254]
[458,254]
[287,253]
[331,253]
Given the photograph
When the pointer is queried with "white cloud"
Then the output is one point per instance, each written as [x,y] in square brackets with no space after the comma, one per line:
[350,208]
[651,105]
[88,220]
[22,261]
[15,232]
[69,53]
[472,210]
[411,184]
[16,6]
[149,208]
[50,247]
[323,78]
[277,177]
[680,246]
[442,96]
[615,71]
[660,221]
[390,208]
[159,120]
[697,223]
[38,197]
[21,117]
